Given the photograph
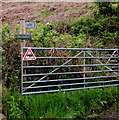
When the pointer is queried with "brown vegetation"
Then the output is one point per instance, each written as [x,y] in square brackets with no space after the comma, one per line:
[45,12]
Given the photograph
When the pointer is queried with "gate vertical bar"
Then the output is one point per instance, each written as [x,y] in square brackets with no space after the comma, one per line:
[84,62]
[22,68]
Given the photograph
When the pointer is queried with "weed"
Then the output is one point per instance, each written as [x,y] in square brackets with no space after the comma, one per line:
[83,104]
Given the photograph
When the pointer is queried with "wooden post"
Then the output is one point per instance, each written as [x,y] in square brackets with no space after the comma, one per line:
[22,28]
[23,44]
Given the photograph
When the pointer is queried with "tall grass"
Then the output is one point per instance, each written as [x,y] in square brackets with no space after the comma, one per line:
[74,104]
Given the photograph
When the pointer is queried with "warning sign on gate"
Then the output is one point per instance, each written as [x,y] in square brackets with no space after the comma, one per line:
[29,55]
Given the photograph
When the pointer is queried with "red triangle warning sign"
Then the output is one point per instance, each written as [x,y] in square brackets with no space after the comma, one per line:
[29,55]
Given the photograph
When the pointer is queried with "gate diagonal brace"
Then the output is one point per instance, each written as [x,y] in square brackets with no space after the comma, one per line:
[111,56]
[101,62]
[54,70]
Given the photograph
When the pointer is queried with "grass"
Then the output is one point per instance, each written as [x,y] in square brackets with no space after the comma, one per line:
[0,96]
[82,104]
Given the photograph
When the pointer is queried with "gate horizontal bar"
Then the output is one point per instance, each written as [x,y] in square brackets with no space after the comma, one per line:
[52,91]
[71,84]
[36,48]
[72,66]
[56,80]
[71,57]
[26,75]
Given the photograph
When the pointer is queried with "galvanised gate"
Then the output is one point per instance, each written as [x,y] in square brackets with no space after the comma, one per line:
[67,69]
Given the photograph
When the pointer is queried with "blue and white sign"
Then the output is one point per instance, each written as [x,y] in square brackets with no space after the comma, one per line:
[30,24]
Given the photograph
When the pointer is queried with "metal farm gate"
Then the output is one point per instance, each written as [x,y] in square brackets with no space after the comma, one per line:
[67,69]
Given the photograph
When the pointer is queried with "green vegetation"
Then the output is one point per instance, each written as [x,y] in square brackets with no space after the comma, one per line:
[100,30]
[83,104]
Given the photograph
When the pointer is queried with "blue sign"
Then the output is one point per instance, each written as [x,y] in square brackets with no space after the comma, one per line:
[23,36]
[30,24]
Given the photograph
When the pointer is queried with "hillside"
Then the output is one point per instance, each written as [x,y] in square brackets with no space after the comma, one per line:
[42,12]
